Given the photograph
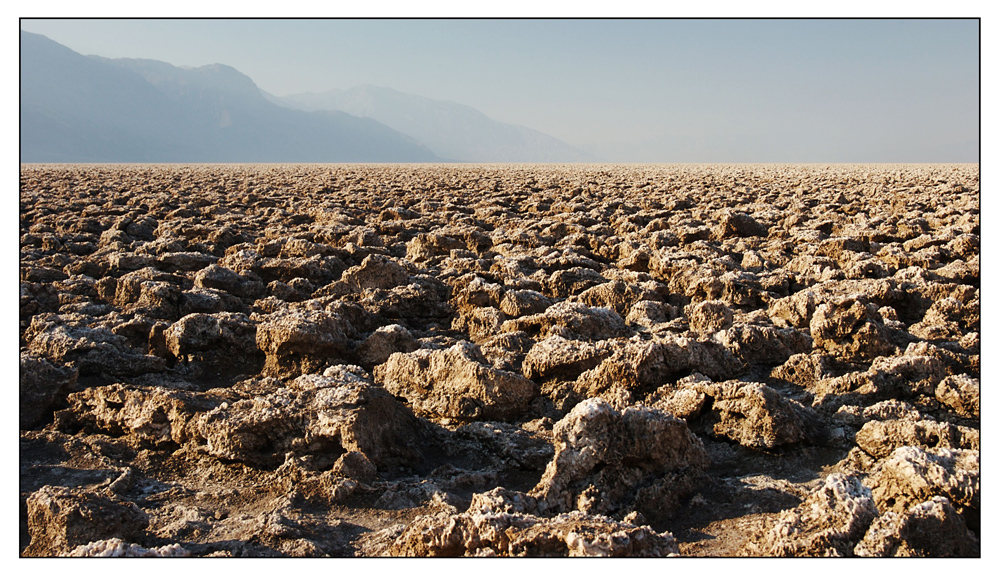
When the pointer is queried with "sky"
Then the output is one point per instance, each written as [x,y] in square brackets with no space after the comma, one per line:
[646,90]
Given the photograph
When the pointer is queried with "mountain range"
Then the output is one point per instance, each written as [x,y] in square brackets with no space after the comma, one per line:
[77,108]
[454,131]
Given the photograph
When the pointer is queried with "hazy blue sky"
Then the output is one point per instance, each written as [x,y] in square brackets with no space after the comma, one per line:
[640,90]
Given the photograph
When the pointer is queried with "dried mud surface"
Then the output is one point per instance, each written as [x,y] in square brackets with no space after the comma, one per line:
[494,360]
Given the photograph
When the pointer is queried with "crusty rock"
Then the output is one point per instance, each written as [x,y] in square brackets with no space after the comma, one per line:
[894,377]
[962,359]
[884,410]
[807,369]
[960,393]
[891,410]
[471,292]
[931,529]
[145,291]
[811,269]
[764,344]
[119,262]
[89,350]
[735,288]
[501,500]
[41,386]
[425,297]
[499,446]
[301,340]
[507,351]
[375,272]
[638,365]
[649,313]
[428,245]
[910,373]
[948,318]
[322,415]
[961,271]
[737,224]
[881,438]
[964,245]
[828,523]
[221,278]
[298,248]
[517,535]
[366,236]
[709,316]
[297,290]
[356,465]
[318,270]
[607,460]
[140,228]
[41,274]
[137,330]
[571,320]
[684,355]
[517,303]
[753,261]
[503,523]
[152,416]
[118,548]
[208,301]
[385,342]
[911,475]
[568,282]
[479,323]
[60,519]
[618,377]
[685,403]
[559,357]
[224,340]
[359,320]
[35,299]
[455,383]
[753,414]
[843,249]
[185,261]
[850,328]
[616,295]
[276,531]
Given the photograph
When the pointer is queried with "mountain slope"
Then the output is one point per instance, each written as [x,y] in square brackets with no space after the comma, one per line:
[451,130]
[89,109]
[74,109]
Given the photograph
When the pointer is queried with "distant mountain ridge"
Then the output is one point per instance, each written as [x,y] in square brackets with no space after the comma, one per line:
[76,108]
[451,130]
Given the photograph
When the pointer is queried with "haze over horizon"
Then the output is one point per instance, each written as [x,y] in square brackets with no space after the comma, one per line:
[621,90]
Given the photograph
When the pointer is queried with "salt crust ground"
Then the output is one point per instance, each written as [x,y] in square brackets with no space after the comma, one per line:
[495,360]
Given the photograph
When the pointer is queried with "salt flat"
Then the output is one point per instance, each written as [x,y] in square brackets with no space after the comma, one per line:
[539,360]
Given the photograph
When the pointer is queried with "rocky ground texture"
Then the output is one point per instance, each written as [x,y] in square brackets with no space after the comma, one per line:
[496,360]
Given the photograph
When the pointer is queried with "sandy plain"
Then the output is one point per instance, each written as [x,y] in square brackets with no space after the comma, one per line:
[499,360]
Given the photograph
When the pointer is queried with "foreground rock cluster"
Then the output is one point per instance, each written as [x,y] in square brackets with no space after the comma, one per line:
[495,360]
